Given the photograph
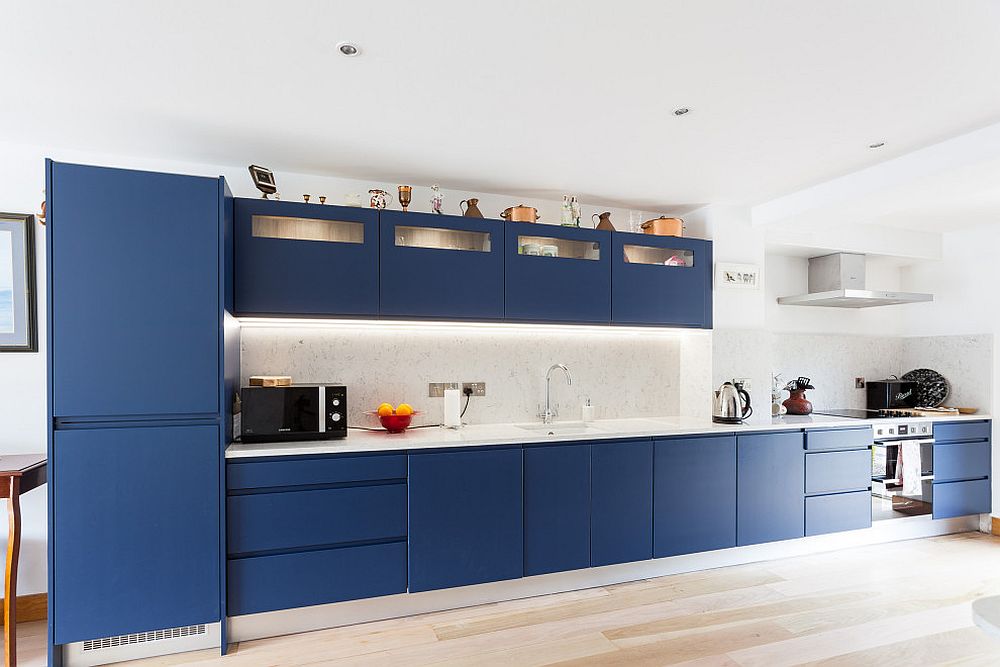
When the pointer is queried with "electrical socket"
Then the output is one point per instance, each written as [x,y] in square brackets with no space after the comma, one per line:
[859,383]
[478,388]
[743,381]
[436,389]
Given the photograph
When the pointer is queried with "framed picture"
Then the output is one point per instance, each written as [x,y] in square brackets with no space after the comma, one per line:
[737,276]
[18,322]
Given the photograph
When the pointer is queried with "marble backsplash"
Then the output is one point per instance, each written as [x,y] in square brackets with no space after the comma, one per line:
[965,361]
[625,374]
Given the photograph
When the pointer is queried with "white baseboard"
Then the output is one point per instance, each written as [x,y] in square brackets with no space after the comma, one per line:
[142,645]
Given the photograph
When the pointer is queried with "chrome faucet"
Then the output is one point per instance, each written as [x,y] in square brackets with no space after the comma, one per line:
[548,413]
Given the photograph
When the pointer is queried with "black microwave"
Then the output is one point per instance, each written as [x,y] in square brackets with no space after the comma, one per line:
[296,412]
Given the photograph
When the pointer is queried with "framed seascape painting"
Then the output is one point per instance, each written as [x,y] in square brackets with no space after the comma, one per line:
[18,327]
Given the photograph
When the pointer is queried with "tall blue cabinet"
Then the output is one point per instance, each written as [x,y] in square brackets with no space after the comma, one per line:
[139,385]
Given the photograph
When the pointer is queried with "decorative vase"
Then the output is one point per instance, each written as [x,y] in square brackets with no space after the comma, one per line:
[797,403]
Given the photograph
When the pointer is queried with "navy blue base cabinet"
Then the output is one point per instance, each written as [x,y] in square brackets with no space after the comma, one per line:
[556,508]
[694,495]
[621,502]
[466,517]
[770,470]
[962,468]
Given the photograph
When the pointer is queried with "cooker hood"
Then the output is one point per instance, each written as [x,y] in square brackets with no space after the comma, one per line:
[838,281]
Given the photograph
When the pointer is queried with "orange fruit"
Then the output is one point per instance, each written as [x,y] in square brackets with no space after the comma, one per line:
[404,409]
[384,410]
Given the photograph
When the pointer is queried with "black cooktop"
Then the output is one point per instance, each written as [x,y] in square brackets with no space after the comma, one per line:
[864,414]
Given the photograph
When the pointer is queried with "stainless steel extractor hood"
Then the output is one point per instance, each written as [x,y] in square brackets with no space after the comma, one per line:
[838,281]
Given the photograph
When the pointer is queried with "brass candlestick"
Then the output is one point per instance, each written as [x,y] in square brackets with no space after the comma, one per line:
[405,195]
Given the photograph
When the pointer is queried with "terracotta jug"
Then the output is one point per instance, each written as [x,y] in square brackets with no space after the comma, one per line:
[603,221]
[471,208]
[797,403]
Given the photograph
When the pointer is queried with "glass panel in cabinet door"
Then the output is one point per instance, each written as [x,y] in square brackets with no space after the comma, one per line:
[307,229]
[437,238]
[643,254]
[547,246]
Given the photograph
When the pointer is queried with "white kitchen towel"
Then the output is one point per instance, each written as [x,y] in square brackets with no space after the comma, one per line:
[909,467]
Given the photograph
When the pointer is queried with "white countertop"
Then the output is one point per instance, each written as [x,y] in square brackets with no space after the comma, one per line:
[515,434]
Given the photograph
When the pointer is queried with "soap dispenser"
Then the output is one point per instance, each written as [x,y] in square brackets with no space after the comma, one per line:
[587,411]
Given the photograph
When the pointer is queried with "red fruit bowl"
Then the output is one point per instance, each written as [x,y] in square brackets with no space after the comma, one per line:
[394,423]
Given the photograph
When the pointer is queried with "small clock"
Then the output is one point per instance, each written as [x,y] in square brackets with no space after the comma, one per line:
[264,180]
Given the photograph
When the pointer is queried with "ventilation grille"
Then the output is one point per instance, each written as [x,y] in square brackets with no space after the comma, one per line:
[143,637]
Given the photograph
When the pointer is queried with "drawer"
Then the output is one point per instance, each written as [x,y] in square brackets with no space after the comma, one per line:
[961,498]
[267,583]
[830,472]
[961,460]
[953,431]
[839,438]
[293,519]
[324,470]
[838,512]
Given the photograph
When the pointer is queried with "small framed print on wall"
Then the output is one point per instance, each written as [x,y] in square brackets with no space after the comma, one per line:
[18,325]
[737,276]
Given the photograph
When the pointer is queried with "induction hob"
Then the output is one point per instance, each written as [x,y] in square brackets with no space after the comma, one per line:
[865,414]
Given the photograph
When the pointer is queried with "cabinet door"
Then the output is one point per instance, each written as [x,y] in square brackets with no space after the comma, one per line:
[661,280]
[466,512]
[770,470]
[557,274]
[621,502]
[294,258]
[135,530]
[556,508]
[694,495]
[440,266]
[135,289]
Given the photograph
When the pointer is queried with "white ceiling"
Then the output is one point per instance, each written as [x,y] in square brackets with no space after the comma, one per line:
[527,98]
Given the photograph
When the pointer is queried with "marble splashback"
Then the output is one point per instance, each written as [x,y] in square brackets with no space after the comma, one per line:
[965,361]
[624,373]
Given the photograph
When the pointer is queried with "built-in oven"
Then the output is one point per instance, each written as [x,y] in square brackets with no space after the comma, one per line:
[902,468]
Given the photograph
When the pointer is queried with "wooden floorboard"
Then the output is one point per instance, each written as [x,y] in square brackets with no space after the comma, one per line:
[900,604]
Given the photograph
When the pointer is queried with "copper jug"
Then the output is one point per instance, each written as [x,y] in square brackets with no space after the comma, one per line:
[520,213]
[603,221]
[471,208]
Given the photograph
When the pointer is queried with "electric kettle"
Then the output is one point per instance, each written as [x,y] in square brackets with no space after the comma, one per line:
[731,404]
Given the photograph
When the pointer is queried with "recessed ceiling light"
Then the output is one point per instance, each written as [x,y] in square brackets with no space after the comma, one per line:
[877,144]
[349,49]
[680,111]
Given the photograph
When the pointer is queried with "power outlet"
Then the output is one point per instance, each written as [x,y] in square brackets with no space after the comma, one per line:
[478,388]
[436,389]
[859,383]
[745,382]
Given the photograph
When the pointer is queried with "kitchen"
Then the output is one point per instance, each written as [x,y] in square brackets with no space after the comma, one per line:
[571,428]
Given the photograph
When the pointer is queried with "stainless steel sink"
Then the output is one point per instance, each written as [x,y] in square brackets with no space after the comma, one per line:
[561,428]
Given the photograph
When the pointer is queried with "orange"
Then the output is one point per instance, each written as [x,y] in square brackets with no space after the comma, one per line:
[404,409]
[384,410]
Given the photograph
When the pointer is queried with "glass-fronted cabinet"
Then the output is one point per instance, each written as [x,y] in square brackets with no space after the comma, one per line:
[295,258]
[663,280]
[440,266]
[557,274]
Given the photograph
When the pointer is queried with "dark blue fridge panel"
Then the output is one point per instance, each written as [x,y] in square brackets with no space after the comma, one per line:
[135,529]
[440,266]
[294,258]
[661,280]
[135,273]
[568,280]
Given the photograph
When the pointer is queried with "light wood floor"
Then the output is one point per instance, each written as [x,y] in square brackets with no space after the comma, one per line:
[901,604]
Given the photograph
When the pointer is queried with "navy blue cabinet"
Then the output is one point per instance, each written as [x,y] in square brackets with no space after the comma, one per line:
[135,292]
[466,517]
[663,280]
[694,495]
[770,469]
[135,530]
[556,508]
[962,468]
[440,266]
[621,502]
[557,274]
[295,258]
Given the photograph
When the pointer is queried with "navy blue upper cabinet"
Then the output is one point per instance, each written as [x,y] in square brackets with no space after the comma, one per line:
[621,502]
[135,534]
[466,517]
[440,266]
[556,508]
[135,291]
[770,502]
[694,495]
[295,258]
[557,274]
[661,280]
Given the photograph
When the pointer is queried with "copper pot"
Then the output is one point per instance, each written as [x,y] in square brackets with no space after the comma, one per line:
[664,226]
[520,213]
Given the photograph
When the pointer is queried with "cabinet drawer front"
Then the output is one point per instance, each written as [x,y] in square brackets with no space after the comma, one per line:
[306,471]
[961,460]
[954,431]
[961,498]
[842,511]
[846,438]
[830,472]
[292,519]
[267,583]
